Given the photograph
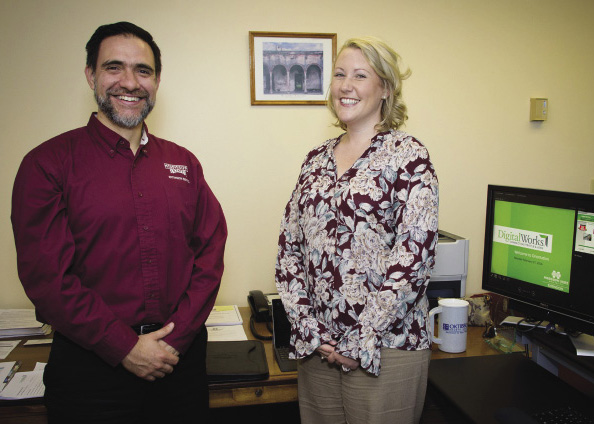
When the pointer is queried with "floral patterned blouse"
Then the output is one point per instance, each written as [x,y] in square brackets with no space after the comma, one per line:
[355,254]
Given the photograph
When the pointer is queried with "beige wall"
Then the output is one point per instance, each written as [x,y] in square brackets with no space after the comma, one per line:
[475,66]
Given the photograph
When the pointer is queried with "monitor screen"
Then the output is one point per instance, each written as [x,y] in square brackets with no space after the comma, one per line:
[539,251]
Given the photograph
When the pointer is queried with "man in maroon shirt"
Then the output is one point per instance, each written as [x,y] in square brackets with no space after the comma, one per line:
[120,247]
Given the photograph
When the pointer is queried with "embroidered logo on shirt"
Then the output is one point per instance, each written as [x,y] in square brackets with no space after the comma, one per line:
[177,169]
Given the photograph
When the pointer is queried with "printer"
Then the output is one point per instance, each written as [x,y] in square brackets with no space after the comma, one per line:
[451,268]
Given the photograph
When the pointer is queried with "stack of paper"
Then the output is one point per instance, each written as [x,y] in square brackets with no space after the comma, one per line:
[21,323]
[225,324]
[22,385]
[224,315]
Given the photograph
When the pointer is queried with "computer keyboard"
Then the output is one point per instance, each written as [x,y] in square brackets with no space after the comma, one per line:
[282,358]
[563,415]
[283,352]
[555,415]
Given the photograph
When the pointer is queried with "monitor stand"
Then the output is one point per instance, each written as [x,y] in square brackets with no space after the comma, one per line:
[584,344]
[521,321]
[529,324]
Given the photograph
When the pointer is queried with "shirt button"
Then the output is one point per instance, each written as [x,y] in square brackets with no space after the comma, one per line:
[140,194]
[145,228]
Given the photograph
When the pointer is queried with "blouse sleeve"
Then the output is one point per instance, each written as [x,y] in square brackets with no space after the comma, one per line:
[307,332]
[410,263]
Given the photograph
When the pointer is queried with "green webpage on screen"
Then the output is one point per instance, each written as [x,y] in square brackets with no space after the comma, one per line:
[534,243]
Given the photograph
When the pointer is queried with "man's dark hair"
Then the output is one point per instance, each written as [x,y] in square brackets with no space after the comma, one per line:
[120,28]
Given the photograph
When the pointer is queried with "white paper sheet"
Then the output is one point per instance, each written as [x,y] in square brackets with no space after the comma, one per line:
[24,385]
[6,346]
[225,333]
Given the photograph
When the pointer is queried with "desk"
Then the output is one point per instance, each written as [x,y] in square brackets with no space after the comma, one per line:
[556,353]
[480,386]
[279,387]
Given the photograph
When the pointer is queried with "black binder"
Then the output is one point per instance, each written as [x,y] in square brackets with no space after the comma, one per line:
[231,361]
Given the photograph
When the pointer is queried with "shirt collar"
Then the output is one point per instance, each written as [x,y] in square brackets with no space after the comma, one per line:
[109,139]
[379,137]
[144,138]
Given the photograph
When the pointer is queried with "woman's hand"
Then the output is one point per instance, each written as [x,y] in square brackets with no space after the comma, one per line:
[328,352]
[346,363]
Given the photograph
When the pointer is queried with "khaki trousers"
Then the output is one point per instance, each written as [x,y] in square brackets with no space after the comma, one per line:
[328,395]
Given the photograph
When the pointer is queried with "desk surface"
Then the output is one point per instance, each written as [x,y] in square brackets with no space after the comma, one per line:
[479,386]
[279,387]
[563,347]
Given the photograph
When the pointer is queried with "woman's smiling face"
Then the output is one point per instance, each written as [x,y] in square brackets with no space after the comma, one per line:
[357,90]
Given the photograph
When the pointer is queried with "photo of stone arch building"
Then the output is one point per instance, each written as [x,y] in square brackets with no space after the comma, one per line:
[293,68]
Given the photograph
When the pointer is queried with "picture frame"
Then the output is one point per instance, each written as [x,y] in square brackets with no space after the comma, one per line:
[290,68]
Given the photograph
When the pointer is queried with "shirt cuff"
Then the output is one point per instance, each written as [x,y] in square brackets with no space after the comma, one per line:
[362,344]
[310,334]
[117,344]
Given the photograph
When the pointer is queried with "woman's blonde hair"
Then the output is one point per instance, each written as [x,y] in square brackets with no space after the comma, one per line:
[385,62]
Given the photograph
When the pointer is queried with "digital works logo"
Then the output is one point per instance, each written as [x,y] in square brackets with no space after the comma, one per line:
[556,275]
[522,238]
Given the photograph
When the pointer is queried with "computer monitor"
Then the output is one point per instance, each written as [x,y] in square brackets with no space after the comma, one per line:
[539,252]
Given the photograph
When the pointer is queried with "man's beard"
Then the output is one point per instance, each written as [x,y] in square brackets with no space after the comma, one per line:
[106,106]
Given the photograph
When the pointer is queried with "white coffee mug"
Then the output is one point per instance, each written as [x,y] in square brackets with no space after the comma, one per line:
[453,324]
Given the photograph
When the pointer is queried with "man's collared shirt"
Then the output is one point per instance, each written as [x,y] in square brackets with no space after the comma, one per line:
[107,240]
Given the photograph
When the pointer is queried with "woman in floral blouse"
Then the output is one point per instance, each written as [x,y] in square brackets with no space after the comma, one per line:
[356,250]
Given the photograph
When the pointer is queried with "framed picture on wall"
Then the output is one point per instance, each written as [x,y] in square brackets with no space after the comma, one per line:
[290,68]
